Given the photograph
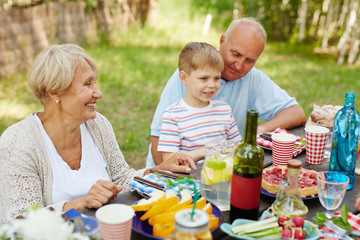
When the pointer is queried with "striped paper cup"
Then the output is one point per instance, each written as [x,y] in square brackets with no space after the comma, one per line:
[282,148]
[316,137]
[115,221]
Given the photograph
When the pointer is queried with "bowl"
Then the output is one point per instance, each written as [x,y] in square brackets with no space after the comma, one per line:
[326,123]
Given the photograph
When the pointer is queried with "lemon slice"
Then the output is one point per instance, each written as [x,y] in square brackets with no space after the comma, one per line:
[215,163]
[205,179]
[220,175]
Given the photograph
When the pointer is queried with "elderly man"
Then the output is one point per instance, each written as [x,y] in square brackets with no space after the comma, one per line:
[243,86]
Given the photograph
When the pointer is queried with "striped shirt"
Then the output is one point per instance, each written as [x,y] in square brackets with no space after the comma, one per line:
[186,128]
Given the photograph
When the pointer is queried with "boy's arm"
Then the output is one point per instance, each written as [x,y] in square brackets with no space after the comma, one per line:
[196,155]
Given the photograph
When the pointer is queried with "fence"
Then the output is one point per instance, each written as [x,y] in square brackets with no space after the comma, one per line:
[24,31]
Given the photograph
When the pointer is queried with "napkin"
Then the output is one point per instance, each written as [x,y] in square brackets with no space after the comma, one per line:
[353,219]
[88,224]
[268,144]
[142,188]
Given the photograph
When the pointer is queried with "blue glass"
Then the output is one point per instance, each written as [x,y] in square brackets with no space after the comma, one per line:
[345,140]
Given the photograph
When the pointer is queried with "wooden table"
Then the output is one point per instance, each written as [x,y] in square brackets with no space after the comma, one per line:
[314,205]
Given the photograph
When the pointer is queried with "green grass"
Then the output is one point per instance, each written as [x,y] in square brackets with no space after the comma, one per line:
[133,72]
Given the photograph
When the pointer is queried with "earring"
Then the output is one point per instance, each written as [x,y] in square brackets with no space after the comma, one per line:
[57,101]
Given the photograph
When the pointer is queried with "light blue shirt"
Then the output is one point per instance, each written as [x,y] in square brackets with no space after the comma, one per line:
[254,91]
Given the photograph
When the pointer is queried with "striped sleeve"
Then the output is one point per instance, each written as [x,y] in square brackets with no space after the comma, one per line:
[169,140]
[233,133]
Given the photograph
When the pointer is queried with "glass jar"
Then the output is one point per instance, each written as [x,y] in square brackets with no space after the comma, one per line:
[288,201]
[196,228]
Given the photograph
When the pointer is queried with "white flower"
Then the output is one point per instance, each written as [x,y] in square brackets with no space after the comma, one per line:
[41,224]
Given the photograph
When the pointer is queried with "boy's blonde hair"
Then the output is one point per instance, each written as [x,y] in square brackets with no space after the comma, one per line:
[53,69]
[200,56]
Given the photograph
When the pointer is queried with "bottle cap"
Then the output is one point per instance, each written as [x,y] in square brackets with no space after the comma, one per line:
[293,163]
[184,222]
[350,95]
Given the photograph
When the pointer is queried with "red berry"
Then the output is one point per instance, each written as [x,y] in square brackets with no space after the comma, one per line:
[299,234]
[299,221]
[286,233]
[282,220]
[289,224]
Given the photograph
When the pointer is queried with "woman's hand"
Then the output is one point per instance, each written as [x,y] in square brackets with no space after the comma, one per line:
[177,162]
[99,194]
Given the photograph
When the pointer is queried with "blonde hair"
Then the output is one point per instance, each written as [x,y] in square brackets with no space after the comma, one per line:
[54,67]
[250,20]
[196,55]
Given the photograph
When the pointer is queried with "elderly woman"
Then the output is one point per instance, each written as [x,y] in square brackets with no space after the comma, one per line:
[67,155]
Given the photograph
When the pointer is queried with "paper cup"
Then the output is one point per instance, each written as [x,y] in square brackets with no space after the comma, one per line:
[115,221]
[282,148]
[316,137]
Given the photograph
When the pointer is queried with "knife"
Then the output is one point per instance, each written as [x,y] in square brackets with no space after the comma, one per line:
[148,183]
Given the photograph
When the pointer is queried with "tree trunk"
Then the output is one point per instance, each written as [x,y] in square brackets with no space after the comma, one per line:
[342,46]
[302,20]
[355,41]
[327,8]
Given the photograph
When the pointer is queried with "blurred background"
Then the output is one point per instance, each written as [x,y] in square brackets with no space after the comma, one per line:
[312,51]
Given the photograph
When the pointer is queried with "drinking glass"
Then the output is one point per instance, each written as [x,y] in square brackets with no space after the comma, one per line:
[332,188]
[329,124]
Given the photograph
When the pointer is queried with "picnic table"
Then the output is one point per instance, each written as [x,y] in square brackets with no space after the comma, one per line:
[313,205]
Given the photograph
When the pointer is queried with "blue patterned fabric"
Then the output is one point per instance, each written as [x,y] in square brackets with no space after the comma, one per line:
[142,188]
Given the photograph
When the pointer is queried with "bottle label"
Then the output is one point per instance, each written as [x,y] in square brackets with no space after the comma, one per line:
[245,192]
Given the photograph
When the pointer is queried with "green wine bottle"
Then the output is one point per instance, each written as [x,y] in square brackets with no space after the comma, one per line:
[247,173]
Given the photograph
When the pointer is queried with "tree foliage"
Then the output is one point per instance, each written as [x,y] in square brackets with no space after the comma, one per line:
[332,26]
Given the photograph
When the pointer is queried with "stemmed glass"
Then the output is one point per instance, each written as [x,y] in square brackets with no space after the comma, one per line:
[331,190]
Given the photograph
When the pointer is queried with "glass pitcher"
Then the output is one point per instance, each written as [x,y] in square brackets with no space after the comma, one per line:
[215,184]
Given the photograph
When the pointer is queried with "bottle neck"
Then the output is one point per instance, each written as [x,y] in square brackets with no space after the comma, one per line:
[293,176]
[349,102]
[251,127]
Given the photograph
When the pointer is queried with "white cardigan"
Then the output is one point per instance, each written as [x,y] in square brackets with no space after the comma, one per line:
[25,170]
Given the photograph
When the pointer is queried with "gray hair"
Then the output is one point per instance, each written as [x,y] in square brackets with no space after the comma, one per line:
[250,20]
[54,68]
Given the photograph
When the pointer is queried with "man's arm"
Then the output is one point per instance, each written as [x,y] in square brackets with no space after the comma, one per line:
[157,157]
[287,118]
[173,92]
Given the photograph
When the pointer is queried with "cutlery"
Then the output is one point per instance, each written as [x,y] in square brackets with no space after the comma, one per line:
[165,173]
[149,183]
[266,136]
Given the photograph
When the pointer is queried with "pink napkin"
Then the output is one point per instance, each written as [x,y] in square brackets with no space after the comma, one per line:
[268,144]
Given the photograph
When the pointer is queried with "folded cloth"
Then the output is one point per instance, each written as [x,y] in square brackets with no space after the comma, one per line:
[164,181]
[87,224]
[353,219]
[268,144]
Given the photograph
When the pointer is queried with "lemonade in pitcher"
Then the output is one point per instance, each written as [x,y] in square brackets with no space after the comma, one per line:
[215,184]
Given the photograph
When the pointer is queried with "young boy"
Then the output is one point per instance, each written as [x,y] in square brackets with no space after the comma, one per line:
[196,119]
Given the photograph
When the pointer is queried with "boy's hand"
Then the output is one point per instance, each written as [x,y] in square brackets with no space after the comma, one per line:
[178,162]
